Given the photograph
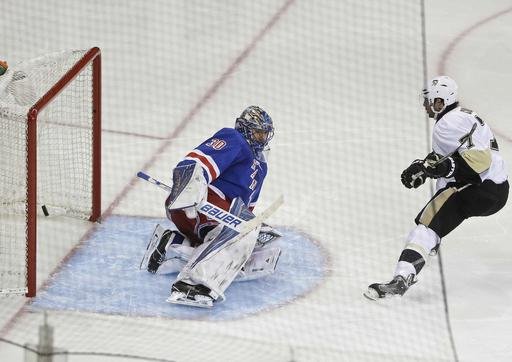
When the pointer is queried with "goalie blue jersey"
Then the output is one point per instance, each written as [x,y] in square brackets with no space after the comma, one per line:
[230,166]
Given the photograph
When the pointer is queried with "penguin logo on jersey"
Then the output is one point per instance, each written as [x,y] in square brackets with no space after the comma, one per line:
[216,144]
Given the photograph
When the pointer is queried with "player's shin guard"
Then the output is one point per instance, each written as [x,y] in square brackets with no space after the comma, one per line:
[412,257]
[420,242]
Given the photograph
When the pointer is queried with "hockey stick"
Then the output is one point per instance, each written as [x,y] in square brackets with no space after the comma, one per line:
[150,179]
[463,140]
[210,210]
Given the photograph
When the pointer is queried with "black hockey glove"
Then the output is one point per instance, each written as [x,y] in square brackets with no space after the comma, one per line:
[436,169]
[414,175]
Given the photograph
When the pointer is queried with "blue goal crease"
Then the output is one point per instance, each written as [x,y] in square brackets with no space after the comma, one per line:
[103,276]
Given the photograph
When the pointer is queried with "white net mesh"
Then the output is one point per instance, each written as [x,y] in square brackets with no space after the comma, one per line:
[13,200]
[65,139]
[64,152]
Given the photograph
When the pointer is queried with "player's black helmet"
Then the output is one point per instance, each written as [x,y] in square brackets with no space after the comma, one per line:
[257,127]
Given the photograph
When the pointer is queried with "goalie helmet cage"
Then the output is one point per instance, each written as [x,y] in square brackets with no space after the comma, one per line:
[76,117]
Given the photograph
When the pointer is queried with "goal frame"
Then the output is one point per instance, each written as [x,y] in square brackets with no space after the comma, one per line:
[93,56]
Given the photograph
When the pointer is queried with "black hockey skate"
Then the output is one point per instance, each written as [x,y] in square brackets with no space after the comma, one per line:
[192,295]
[158,255]
[398,286]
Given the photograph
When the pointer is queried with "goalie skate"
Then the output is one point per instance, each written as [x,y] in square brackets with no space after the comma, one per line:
[190,295]
[397,286]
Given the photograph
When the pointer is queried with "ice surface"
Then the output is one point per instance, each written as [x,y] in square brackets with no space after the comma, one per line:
[103,276]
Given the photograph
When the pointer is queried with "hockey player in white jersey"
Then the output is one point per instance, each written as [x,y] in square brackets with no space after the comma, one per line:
[471,181]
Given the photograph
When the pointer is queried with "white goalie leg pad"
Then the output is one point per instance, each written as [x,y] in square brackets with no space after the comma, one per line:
[422,240]
[212,234]
[216,268]
[261,263]
[189,189]
[176,257]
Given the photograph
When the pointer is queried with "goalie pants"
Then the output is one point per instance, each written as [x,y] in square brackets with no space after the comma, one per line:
[450,207]
[196,229]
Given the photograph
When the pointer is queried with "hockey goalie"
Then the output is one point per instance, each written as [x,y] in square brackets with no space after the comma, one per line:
[215,237]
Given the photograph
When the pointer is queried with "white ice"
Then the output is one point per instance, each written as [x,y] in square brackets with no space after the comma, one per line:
[340,80]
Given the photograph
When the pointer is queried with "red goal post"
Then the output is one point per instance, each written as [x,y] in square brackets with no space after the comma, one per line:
[57,144]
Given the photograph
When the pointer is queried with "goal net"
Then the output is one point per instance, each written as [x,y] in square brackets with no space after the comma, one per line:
[49,146]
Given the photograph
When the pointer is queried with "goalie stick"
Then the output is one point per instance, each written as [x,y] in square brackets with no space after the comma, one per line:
[225,218]
[463,140]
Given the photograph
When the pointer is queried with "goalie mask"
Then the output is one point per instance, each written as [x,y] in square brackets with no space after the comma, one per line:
[442,87]
[257,128]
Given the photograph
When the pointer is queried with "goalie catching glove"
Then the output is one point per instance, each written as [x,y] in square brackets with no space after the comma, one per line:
[416,174]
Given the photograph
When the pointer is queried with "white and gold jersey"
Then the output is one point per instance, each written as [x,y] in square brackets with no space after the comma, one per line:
[480,150]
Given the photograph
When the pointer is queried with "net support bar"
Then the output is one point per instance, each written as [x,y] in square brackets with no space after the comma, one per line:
[94,56]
